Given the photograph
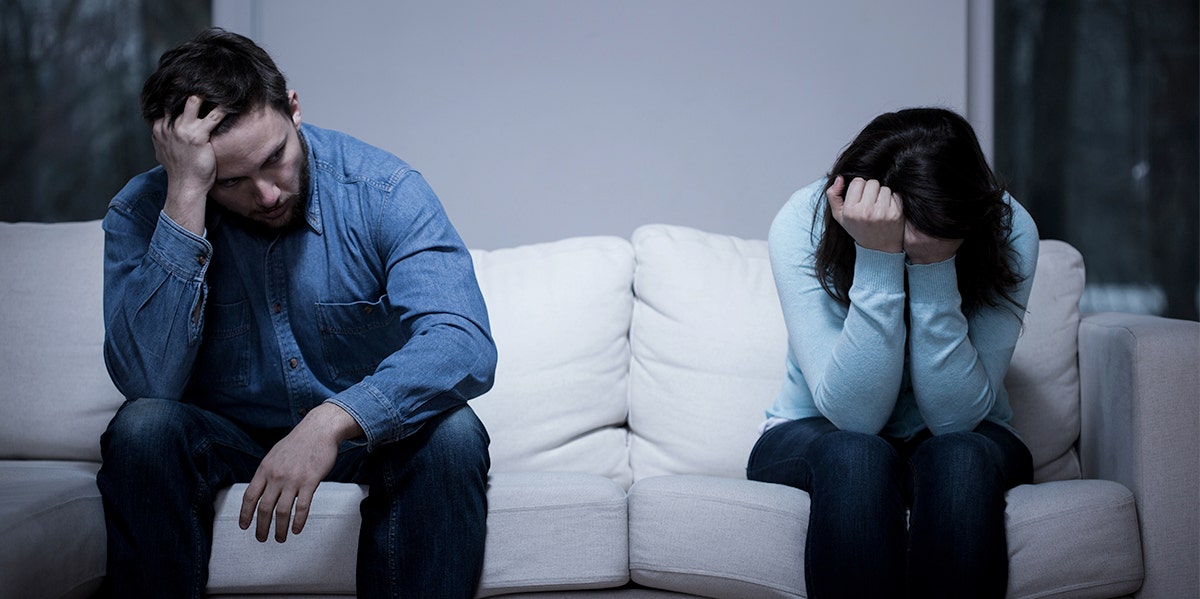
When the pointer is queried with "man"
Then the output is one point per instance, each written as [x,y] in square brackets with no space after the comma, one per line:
[286,305]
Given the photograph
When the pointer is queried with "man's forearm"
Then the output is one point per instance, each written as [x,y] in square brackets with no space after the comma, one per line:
[187,208]
[154,297]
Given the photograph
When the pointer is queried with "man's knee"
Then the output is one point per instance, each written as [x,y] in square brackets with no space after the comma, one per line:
[457,443]
[460,430]
[454,444]
[144,426]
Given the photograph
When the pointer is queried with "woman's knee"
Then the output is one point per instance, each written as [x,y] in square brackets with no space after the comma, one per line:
[851,452]
[961,456]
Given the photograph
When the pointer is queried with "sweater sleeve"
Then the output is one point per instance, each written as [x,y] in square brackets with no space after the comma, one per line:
[958,365]
[851,357]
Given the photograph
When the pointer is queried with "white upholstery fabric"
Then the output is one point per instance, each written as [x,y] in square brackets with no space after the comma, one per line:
[1073,539]
[52,539]
[546,531]
[552,531]
[55,392]
[320,559]
[560,316]
[1043,380]
[709,346]
[752,544]
[1139,376]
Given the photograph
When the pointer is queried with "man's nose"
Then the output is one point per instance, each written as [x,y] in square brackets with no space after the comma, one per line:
[268,192]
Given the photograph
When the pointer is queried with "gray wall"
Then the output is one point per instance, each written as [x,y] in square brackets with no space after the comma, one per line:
[536,120]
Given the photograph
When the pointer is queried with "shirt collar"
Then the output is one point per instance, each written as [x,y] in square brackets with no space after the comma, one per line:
[313,217]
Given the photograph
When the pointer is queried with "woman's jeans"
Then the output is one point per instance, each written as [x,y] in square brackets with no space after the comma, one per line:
[862,543]
[422,529]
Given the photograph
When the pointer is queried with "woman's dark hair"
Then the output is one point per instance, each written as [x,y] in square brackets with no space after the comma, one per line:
[223,68]
[932,159]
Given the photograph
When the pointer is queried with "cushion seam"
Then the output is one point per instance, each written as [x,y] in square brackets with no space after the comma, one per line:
[1107,507]
[709,574]
[722,501]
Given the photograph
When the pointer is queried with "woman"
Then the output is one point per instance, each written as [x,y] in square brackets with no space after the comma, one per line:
[903,278]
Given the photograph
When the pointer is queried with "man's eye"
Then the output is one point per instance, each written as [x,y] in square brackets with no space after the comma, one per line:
[275,157]
[227,183]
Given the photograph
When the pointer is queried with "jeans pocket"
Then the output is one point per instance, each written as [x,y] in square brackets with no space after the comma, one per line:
[224,356]
[357,336]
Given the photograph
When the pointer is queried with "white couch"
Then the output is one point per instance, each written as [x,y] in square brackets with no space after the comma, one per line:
[632,377]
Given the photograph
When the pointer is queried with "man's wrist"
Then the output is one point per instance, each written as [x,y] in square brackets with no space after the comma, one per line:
[186,208]
[341,424]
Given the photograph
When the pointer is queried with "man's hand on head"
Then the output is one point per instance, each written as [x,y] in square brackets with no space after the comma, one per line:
[184,150]
[289,475]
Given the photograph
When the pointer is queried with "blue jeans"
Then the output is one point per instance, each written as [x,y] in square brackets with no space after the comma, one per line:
[922,518]
[423,521]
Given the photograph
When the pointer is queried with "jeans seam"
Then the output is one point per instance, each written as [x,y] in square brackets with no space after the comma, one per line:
[201,564]
[390,557]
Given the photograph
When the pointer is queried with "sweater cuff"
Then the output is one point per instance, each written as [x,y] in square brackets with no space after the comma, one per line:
[878,271]
[933,283]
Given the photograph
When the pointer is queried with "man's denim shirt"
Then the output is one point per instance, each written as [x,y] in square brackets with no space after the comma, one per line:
[372,304]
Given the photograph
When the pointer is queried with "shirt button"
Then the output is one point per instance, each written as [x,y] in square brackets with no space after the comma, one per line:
[302,411]
[368,309]
[277,308]
[201,260]
[293,363]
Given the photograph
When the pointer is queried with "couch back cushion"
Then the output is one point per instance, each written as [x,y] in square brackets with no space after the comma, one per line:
[56,396]
[560,316]
[1043,379]
[703,360]
[709,346]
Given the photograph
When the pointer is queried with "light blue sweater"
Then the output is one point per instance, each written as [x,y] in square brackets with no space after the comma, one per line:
[857,366]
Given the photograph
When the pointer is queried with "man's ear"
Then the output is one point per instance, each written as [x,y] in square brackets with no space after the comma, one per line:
[294,106]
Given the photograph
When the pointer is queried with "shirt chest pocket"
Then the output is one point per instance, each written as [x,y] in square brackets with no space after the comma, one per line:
[357,336]
[224,356]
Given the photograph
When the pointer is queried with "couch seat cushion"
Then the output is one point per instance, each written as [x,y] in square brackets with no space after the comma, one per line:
[52,539]
[546,531]
[741,539]
[320,559]
[717,537]
[551,531]
[1073,539]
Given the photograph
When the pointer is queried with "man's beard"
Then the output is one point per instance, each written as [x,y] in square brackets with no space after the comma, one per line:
[296,214]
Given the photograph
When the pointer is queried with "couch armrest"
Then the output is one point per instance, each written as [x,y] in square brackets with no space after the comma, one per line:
[1140,415]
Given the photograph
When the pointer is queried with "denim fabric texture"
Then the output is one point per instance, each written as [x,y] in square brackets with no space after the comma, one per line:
[892,518]
[423,520]
[372,304]
[222,343]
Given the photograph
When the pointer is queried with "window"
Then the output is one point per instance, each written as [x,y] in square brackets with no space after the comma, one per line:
[1096,134]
